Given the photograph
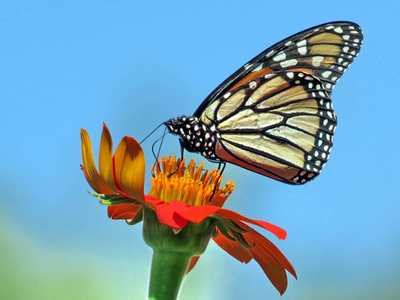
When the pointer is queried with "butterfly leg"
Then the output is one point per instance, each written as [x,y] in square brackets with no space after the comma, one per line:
[223,165]
[180,160]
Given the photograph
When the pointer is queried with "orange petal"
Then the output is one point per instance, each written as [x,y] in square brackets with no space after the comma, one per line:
[279,232]
[106,159]
[90,171]
[267,255]
[192,263]
[269,247]
[129,167]
[123,211]
[233,248]
[271,267]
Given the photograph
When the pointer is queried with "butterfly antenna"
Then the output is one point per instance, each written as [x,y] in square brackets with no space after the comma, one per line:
[151,133]
[154,144]
[156,156]
[162,141]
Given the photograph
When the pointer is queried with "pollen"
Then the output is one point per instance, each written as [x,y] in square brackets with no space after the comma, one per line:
[190,184]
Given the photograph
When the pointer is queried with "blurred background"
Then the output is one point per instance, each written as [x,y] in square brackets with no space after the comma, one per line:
[66,65]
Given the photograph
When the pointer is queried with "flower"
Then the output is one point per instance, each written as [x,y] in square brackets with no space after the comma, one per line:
[183,201]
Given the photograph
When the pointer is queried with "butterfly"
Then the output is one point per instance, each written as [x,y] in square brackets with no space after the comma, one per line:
[274,115]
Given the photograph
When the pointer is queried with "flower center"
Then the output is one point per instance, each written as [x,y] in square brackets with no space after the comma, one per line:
[191,184]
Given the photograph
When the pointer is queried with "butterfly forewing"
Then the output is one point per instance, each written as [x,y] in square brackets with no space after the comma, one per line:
[324,51]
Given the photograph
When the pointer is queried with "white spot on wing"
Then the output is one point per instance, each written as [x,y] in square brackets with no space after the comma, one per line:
[338,30]
[326,74]
[289,63]
[302,50]
[270,53]
[252,85]
[302,47]
[258,68]
[302,43]
[316,60]
[280,57]
[248,66]
[226,96]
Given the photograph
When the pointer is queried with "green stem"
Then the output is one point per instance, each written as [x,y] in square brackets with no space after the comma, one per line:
[167,272]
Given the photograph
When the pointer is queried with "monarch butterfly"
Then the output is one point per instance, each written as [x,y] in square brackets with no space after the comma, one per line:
[274,115]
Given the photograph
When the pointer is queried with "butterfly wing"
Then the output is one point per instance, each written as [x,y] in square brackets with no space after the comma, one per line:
[281,126]
[274,115]
[324,51]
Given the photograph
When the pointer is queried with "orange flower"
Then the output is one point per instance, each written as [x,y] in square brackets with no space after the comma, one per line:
[190,195]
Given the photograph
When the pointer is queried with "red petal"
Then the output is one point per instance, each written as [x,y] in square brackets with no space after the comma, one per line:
[176,214]
[195,214]
[123,211]
[233,248]
[153,200]
[279,232]
[167,215]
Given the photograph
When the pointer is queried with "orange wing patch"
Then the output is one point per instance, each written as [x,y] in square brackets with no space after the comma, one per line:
[251,76]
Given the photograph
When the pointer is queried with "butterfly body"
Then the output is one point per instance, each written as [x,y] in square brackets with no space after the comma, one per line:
[195,136]
[274,116]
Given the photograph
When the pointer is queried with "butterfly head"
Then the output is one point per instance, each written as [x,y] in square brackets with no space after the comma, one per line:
[194,135]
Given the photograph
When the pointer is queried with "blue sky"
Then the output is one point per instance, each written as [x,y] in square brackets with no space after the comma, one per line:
[67,65]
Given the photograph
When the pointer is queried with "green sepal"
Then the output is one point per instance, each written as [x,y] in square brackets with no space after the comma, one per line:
[114,199]
[230,224]
[192,239]
[233,235]
[137,219]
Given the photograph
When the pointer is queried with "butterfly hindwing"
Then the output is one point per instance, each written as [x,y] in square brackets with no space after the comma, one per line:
[279,125]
